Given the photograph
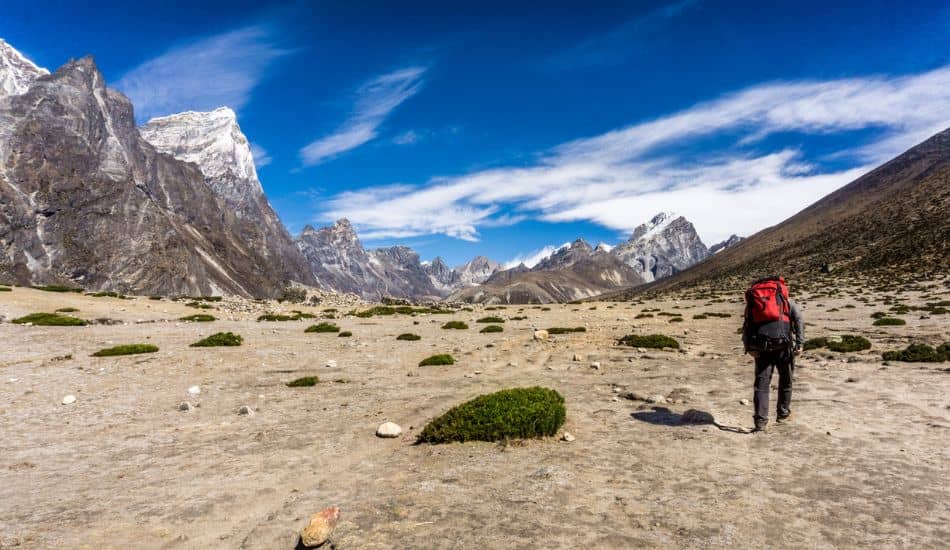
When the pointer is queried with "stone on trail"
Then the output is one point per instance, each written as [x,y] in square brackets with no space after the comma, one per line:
[743,402]
[194,390]
[388,429]
[568,437]
[693,416]
[321,525]
[69,400]
[184,406]
[245,411]
[331,364]
[541,335]
[656,399]
[595,365]
[578,357]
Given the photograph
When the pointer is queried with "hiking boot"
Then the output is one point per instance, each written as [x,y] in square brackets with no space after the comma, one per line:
[760,427]
[783,418]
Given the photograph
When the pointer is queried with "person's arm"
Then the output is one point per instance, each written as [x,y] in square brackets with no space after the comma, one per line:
[798,324]
[746,329]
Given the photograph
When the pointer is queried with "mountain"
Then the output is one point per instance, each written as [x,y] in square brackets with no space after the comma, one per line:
[17,72]
[665,245]
[571,273]
[441,275]
[339,262]
[890,224]
[720,246]
[85,200]
[476,271]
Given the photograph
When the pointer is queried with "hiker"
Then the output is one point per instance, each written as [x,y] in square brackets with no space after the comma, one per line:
[773,332]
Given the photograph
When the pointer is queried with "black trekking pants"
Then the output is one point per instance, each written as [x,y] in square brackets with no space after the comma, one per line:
[765,363]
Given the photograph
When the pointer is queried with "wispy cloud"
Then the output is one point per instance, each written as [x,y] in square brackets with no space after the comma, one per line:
[623,177]
[534,257]
[621,42]
[221,70]
[261,156]
[374,101]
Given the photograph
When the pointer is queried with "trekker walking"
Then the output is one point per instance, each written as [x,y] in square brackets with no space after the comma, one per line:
[773,332]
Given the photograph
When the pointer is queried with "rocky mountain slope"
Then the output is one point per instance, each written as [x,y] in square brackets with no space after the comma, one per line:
[85,200]
[476,271]
[665,245]
[16,71]
[892,222]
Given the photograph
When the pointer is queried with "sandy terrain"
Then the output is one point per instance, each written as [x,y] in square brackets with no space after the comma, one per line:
[866,463]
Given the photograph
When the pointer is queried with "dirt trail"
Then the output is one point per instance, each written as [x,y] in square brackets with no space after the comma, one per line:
[865,463]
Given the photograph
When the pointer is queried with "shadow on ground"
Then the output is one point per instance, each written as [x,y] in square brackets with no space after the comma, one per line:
[663,416]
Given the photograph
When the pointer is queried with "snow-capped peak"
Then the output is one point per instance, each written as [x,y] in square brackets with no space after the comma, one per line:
[654,227]
[603,247]
[16,71]
[212,140]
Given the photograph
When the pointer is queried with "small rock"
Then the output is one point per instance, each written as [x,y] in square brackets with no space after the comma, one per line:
[641,350]
[578,357]
[656,399]
[321,525]
[184,406]
[388,429]
[541,335]
[854,359]
[595,365]
[512,364]
[245,411]
[194,390]
[743,402]
[331,364]
[69,400]
[568,437]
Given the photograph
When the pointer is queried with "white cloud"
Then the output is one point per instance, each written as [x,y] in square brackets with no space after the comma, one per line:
[406,138]
[217,71]
[374,101]
[261,156]
[533,258]
[621,178]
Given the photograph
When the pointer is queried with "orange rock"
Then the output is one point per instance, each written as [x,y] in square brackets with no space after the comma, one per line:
[321,525]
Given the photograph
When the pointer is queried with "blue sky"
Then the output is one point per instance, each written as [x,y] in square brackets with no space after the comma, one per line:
[501,128]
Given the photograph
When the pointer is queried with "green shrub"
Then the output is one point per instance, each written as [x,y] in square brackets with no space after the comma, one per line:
[5,289]
[919,353]
[700,316]
[277,317]
[720,315]
[653,341]
[490,320]
[849,343]
[492,328]
[105,294]
[199,305]
[815,343]
[409,337]
[156,298]
[442,359]
[878,315]
[219,339]
[345,334]
[676,320]
[50,320]
[57,288]
[304,382]
[127,349]
[519,318]
[197,318]
[644,316]
[323,327]
[566,330]
[455,325]
[67,310]
[513,413]
[889,322]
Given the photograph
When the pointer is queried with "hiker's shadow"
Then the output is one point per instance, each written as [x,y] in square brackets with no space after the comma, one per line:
[663,416]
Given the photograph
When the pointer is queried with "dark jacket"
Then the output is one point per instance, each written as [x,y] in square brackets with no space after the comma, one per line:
[797,322]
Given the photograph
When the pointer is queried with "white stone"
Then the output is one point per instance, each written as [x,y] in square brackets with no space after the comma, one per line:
[656,399]
[388,429]
[246,411]
[743,402]
[595,365]
[568,437]
[194,390]
[331,364]
[578,357]
[69,400]
[541,335]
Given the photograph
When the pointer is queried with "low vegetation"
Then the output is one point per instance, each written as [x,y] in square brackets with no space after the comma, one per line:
[847,344]
[566,330]
[490,320]
[401,310]
[219,339]
[67,310]
[889,322]
[5,289]
[126,349]
[409,337]
[455,325]
[50,320]
[652,341]
[304,382]
[57,288]
[514,413]
[273,317]
[644,316]
[198,318]
[815,343]
[919,353]
[441,359]
[323,327]
[492,328]
[345,334]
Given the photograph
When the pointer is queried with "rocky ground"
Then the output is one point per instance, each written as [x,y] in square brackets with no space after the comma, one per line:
[865,463]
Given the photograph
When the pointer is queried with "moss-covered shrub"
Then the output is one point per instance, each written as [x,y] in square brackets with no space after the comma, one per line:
[700,316]
[57,288]
[919,353]
[345,334]
[50,320]
[490,320]
[273,317]
[323,327]
[409,337]
[5,289]
[566,330]
[199,305]
[219,339]
[653,341]
[644,316]
[889,322]
[815,343]
[127,349]
[67,310]
[198,318]
[105,294]
[849,343]
[878,315]
[304,382]
[455,325]
[514,413]
[676,320]
[492,328]
[519,318]
[441,359]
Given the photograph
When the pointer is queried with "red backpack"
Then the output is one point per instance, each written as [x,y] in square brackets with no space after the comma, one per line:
[767,315]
